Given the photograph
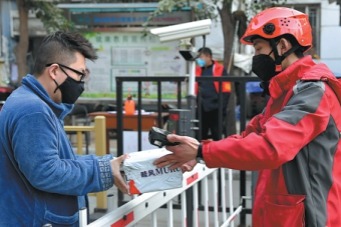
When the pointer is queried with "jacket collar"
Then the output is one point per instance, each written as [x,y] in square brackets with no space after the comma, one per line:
[60,109]
[285,80]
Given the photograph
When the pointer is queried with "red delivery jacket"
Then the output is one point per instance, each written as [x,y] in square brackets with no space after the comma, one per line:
[295,145]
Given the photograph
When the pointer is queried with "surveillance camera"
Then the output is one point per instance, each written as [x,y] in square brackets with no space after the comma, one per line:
[183,31]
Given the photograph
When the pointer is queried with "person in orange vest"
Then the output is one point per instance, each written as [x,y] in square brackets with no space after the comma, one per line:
[209,93]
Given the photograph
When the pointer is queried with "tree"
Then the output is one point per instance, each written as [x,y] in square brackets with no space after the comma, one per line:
[52,18]
[229,19]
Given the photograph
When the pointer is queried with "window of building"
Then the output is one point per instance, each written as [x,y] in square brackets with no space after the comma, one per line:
[314,13]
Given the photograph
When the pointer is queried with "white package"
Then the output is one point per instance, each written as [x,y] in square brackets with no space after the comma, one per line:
[143,176]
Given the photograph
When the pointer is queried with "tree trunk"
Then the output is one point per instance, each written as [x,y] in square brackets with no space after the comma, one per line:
[22,46]
[228,27]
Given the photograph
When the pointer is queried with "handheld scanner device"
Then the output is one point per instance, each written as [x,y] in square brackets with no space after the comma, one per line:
[158,137]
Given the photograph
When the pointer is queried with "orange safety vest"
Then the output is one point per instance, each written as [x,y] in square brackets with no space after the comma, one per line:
[217,71]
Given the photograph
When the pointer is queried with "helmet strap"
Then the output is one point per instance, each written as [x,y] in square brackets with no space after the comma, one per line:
[279,59]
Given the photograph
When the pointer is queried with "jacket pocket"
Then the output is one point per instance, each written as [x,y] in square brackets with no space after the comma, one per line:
[59,220]
[284,211]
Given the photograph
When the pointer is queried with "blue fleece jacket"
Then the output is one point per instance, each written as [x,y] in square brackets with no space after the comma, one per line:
[41,179]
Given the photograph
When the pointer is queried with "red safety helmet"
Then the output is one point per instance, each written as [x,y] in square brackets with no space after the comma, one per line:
[277,21]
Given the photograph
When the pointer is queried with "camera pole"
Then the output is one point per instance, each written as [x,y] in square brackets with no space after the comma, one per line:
[183,123]
[191,99]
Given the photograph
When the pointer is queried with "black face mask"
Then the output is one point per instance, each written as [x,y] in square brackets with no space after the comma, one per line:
[71,90]
[264,67]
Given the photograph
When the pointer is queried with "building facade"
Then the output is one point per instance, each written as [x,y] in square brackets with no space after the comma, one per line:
[125,49]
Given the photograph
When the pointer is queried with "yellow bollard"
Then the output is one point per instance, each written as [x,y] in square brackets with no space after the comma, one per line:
[100,145]
[100,135]
[79,142]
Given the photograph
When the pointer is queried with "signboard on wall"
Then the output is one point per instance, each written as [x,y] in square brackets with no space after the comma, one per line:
[93,19]
[131,54]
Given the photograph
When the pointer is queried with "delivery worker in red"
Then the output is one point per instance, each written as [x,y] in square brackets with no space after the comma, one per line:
[295,142]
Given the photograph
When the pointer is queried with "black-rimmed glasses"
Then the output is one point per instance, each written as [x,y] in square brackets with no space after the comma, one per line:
[83,75]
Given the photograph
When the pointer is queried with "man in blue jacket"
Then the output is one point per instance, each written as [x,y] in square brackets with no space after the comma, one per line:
[41,179]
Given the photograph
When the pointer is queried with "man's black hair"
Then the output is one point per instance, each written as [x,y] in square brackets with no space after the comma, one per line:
[205,50]
[60,47]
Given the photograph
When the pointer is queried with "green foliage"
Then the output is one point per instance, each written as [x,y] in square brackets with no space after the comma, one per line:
[113,95]
[200,8]
[260,5]
[51,16]
[207,9]
[99,95]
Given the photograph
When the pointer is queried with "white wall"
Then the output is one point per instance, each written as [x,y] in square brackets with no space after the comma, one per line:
[214,41]
[132,54]
[330,36]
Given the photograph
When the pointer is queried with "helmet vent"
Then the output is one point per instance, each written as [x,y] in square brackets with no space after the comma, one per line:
[285,22]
